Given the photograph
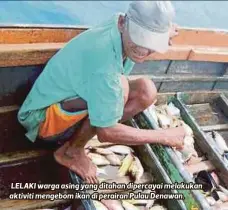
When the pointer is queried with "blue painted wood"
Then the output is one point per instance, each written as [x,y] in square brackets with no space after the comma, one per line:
[12,78]
[150,67]
[193,68]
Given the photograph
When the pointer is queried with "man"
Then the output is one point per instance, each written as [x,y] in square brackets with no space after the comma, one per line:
[83,90]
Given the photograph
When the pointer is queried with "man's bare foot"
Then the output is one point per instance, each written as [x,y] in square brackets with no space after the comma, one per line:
[175,137]
[76,160]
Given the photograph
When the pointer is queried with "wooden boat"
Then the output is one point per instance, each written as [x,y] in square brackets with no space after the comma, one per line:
[197,61]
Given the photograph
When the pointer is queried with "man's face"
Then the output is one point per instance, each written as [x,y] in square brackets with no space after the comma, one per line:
[136,53]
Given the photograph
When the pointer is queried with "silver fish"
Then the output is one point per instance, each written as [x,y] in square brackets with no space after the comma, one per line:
[101,151]
[187,128]
[164,121]
[101,171]
[211,200]
[98,160]
[113,204]
[99,206]
[150,203]
[172,110]
[121,149]
[220,141]
[158,207]
[128,206]
[224,190]
[151,110]
[113,159]
[223,197]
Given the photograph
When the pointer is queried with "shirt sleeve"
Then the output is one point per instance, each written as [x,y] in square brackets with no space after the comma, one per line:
[105,99]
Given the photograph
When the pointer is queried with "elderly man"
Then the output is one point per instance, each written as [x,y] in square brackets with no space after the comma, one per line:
[83,90]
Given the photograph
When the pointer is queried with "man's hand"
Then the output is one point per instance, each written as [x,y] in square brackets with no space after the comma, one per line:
[175,138]
[173,32]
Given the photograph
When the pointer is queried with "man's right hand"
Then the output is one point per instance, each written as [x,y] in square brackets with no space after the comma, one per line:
[175,137]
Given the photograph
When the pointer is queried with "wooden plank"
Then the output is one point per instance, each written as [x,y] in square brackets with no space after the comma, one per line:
[37,35]
[181,78]
[37,54]
[5,109]
[18,34]
[27,54]
[12,134]
[43,169]
[209,54]
[12,157]
[203,37]
[15,83]
[8,204]
[218,127]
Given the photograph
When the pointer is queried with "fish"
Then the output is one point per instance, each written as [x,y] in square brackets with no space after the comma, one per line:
[186,154]
[136,169]
[101,171]
[211,200]
[224,190]
[189,141]
[193,160]
[158,207]
[172,110]
[96,143]
[179,155]
[164,121]
[150,203]
[221,206]
[98,159]
[99,206]
[101,151]
[128,206]
[219,140]
[152,111]
[113,204]
[187,128]
[223,197]
[137,202]
[121,149]
[113,159]
[175,122]
[126,163]
[204,165]
[146,178]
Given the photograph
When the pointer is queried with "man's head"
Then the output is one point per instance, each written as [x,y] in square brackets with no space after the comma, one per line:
[145,28]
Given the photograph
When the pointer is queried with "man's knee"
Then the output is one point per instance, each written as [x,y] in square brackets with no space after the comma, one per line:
[147,92]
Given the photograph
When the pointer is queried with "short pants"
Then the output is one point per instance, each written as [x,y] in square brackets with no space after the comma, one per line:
[59,125]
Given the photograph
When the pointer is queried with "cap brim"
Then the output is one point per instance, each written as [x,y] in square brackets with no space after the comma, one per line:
[158,42]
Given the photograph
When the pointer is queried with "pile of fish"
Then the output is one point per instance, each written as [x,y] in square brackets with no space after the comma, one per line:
[169,116]
[119,164]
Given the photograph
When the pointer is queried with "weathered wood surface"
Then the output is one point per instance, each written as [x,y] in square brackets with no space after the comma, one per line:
[181,78]
[20,34]
[218,127]
[40,169]
[8,204]
[40,53]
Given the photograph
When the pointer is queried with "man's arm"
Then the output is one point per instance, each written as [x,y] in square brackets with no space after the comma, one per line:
[123,134]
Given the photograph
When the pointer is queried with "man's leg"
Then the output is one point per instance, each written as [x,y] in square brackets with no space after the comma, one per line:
[138,95]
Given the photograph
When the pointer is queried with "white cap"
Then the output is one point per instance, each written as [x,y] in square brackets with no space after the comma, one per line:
[149,23]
